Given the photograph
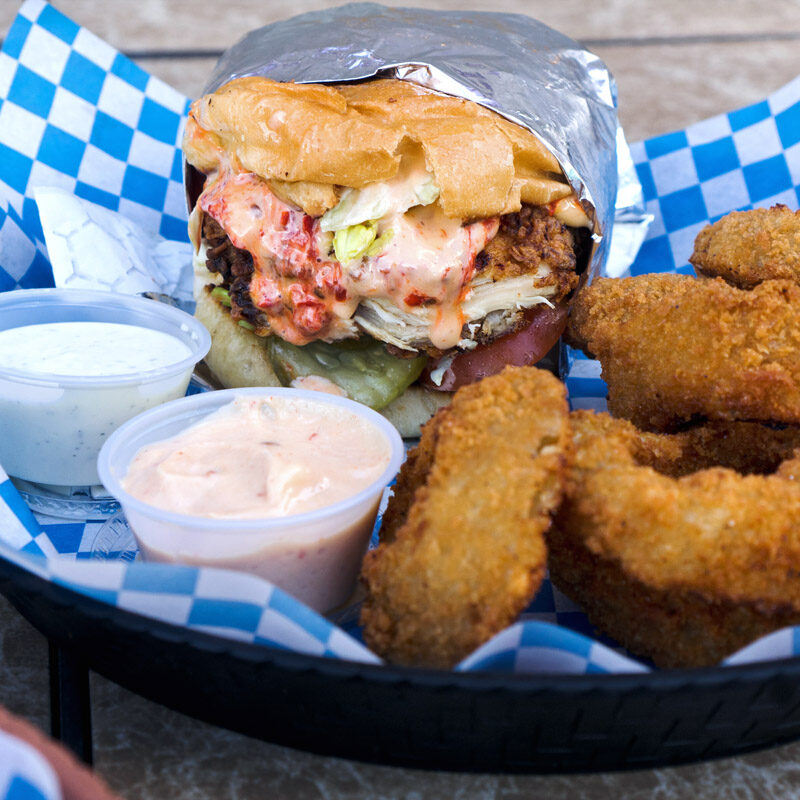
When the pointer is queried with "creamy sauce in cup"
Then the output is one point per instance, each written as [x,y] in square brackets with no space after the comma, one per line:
[267,458]
[260,458]
[88,349]
[52,431]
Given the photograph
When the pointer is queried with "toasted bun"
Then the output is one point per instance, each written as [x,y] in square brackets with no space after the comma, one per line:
[238,358]
[307,138]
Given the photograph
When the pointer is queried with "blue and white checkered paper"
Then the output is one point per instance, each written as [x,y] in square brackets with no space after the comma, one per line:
[229,604]
[77,115]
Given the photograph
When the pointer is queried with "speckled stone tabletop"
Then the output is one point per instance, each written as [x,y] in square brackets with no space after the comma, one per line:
[676,62]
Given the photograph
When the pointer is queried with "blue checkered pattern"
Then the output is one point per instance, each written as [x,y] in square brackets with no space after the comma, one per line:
[18,527]
[585,386]
[553,635]
[77,114]
[745,159]
[784,643]
[246,608]
[229,604]
[543,648]
[25,774]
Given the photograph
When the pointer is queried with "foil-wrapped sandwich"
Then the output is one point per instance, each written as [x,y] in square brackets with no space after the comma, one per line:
[378,238]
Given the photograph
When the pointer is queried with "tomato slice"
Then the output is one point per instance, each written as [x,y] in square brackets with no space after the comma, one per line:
[521,348]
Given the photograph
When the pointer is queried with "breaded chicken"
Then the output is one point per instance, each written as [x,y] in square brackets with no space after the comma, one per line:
[750,448]
[681,570]
[675,349]
[532,242]
[747,247]
[462,548]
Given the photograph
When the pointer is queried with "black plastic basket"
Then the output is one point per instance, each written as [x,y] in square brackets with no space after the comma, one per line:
[421,718]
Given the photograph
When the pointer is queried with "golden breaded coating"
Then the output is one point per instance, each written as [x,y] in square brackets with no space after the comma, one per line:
[675,349]
[747,247]
[681,570]
[746,447]
[462,548]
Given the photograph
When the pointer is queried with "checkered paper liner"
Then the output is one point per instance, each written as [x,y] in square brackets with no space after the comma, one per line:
[246,608]
[78,115]
[25,774]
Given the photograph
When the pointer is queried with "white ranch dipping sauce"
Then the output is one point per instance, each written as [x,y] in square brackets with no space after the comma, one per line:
[52,430]
[262,458]
[88,349]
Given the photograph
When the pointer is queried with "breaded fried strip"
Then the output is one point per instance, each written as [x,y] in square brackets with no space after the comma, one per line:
[682,570]
[462,550]
[747,247]
[676,349]
[750,448]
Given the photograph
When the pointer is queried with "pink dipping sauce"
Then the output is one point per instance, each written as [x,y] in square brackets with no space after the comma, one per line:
[261,458]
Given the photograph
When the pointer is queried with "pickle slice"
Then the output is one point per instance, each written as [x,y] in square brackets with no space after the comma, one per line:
[361,368]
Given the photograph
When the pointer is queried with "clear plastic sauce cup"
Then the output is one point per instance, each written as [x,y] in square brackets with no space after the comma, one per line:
[52,426]
[315,555]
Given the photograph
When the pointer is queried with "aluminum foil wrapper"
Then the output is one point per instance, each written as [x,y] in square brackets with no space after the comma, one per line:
[509,63]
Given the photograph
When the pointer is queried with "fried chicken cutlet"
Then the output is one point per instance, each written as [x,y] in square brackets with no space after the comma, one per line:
[747,247]
[462,548]
[675,349]
[683,570]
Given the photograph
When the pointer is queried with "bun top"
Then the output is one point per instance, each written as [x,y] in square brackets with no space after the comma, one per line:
[309,139]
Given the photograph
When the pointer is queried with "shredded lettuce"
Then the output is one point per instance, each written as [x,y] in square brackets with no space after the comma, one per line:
[352,242]
[222,294]
[354,207]
[427,192]
[354,220]
[356,241]
[380,243]
[376,200]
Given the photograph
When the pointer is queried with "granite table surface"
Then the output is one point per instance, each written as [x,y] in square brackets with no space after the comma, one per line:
[676,62]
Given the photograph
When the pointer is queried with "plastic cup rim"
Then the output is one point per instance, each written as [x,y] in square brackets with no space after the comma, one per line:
[201,339]
[260,524]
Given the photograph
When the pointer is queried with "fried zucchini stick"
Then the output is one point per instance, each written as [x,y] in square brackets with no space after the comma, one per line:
[462,551]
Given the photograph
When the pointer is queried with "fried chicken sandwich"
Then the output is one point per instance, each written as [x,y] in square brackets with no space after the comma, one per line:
[376,239]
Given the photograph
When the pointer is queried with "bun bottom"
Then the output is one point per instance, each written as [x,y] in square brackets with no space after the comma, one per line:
[238,358]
